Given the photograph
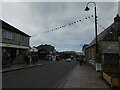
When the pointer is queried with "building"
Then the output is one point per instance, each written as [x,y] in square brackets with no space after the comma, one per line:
[68,54]
[107,43]
[14,42]
[83,48]
[46,50]
[109,55]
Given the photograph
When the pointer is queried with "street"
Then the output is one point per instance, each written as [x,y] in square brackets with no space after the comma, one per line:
[60,45]
[47,76]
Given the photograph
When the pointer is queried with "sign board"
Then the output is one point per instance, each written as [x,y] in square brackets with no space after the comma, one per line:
[13,46]
[98,66]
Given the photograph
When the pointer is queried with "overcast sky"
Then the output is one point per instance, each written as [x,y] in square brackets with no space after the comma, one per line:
[34,18]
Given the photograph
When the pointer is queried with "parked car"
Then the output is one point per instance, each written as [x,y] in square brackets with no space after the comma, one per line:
[69,60]
[74,58]
[92,62]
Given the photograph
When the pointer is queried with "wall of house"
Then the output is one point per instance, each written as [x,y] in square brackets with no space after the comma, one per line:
[90,53]
[112,35]
[110,63]
[16,39]
[111,59]
[0,47]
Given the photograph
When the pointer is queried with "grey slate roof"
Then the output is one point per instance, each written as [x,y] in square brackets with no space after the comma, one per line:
[109,47]
[101,35]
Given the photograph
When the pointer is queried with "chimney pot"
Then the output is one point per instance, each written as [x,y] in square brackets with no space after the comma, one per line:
[117,18]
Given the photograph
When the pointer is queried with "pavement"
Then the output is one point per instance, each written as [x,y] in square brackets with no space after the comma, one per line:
[15,67]
[84,77]
[80,77]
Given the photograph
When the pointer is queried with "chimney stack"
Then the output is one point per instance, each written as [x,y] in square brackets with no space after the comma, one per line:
[117,18]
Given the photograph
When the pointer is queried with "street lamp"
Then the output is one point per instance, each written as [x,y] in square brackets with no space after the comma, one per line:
[87,9]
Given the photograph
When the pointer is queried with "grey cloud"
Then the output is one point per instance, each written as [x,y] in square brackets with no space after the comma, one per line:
[36,18]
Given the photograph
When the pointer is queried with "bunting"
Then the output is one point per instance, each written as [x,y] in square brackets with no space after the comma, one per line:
[70,23]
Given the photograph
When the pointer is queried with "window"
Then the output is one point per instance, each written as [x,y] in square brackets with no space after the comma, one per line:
[24,38]
[8,34]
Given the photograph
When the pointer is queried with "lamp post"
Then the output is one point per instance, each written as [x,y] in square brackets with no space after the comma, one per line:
[98,64]
[87,9]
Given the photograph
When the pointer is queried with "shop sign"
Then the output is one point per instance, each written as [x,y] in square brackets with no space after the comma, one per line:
[7,45]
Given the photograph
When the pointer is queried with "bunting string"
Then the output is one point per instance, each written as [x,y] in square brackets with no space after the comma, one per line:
[72,23]
[69,24]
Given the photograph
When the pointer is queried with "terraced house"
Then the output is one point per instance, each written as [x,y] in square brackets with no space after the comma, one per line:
[15,44]
[107,44]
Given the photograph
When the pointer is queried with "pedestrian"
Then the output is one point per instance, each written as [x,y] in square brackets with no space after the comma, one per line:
[79,60]
[30,58]
[36,58]
[9,58]
[27,59]
[84,61]
[33,58]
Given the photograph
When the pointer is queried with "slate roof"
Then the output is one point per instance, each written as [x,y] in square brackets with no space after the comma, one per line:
[106,31]
[101,35]
[109,47]
[11,28]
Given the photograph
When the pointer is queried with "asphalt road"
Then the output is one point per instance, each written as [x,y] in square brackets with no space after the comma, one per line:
[47,76]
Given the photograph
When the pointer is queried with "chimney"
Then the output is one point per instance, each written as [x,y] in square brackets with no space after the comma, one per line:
[117,18]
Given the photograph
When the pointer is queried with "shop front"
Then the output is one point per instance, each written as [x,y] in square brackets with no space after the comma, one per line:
[13,54]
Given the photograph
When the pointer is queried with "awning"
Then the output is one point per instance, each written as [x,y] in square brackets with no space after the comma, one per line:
[13,46]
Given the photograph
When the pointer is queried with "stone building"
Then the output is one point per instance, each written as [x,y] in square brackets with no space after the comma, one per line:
[107,43]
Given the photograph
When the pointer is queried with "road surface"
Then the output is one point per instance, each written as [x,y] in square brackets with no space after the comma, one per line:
[47,76]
